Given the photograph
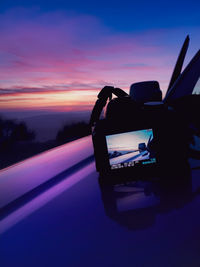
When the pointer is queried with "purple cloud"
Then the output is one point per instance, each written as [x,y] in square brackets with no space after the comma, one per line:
[55,51]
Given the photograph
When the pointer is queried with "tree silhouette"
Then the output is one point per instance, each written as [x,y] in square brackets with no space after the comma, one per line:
[21,133]
[73,131]
[12,132]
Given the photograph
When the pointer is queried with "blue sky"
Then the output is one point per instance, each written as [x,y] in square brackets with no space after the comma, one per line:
[124,15]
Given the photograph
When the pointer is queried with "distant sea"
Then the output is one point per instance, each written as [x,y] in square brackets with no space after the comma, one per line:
[46,124]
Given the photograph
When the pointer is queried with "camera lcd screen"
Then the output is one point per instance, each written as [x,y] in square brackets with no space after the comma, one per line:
[130,149]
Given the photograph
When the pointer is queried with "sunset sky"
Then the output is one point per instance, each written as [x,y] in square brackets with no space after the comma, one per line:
[56,55]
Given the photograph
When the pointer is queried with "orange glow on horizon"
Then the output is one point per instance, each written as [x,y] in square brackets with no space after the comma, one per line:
[62,101]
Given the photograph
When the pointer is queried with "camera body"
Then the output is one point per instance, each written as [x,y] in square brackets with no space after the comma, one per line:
[137,140]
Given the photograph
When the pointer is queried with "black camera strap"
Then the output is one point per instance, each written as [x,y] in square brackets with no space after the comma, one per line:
[103,96]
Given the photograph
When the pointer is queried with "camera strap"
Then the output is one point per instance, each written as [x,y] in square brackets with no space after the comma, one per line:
[103,96]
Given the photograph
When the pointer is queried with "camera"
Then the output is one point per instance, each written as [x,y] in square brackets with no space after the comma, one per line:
[144,136]
[139,136]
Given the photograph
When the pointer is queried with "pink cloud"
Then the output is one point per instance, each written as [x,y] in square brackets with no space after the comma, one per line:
[56,51]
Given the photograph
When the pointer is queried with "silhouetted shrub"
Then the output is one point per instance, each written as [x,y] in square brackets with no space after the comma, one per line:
[21,133]
[73,131]
[12,132]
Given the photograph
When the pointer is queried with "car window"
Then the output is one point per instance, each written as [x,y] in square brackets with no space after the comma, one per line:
[197,88]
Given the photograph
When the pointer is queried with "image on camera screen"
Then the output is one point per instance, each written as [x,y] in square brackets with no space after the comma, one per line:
[130,149]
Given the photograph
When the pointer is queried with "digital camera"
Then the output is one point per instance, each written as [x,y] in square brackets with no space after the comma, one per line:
[136,138]
[143,135]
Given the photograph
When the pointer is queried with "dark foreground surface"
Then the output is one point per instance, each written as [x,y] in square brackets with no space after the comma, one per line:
[76,222]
